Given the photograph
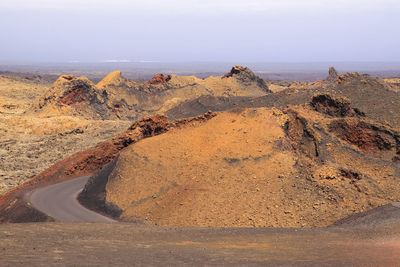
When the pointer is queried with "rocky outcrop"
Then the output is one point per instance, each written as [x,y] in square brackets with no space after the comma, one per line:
[79,95]
[160,78]
[371,138]
[70,90]
[159,124]
[159,82]
[301,135]
[333,106]
[351,78]
[151,126]
[333,74]
[246,76]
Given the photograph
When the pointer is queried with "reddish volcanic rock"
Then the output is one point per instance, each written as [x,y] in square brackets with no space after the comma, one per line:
[73,96]
[70,90]
[160,79]
[368,137]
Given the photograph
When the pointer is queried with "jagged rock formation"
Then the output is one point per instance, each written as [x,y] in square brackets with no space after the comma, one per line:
[69,90]
[246,76]
[350,78]
[333,74]
[117,97]
[301,134]
[77,95]
[158,83]
[333,106]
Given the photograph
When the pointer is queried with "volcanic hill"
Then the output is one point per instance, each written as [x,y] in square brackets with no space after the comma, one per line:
[116,97]
[303,165]
[305,156]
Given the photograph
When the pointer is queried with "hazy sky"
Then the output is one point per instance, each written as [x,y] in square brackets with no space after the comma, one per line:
[200,30]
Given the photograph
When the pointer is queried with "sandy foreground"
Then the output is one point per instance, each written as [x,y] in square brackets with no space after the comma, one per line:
[52,244]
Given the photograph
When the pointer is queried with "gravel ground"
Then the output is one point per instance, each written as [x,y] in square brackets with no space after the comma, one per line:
[52,244]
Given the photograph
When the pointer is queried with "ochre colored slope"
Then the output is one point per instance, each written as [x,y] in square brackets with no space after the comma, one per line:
[307,165]
[221,173]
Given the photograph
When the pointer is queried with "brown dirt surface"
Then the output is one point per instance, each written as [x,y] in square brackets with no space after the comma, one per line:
[196,185]
[129,244]
[16,93]
[259,167]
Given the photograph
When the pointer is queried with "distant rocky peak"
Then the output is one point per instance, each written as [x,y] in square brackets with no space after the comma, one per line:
[333,74]
[160,78]
[114,75]
[240,71]
[70,90]
[70,81]
[65,77]
[114,78]
[245,75]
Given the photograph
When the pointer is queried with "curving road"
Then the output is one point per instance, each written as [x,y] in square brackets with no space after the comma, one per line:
[60,202]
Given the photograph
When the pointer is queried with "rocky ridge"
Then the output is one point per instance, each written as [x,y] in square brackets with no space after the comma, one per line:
[116,97]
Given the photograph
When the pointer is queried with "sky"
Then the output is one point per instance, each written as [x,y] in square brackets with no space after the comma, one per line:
[199,30]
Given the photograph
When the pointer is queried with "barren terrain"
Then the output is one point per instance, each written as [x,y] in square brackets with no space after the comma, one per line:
[42,123]
[130,244]
[31,143]
[270,155]
[256,167]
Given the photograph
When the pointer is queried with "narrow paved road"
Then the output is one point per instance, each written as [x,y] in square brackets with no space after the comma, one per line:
[60,202]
